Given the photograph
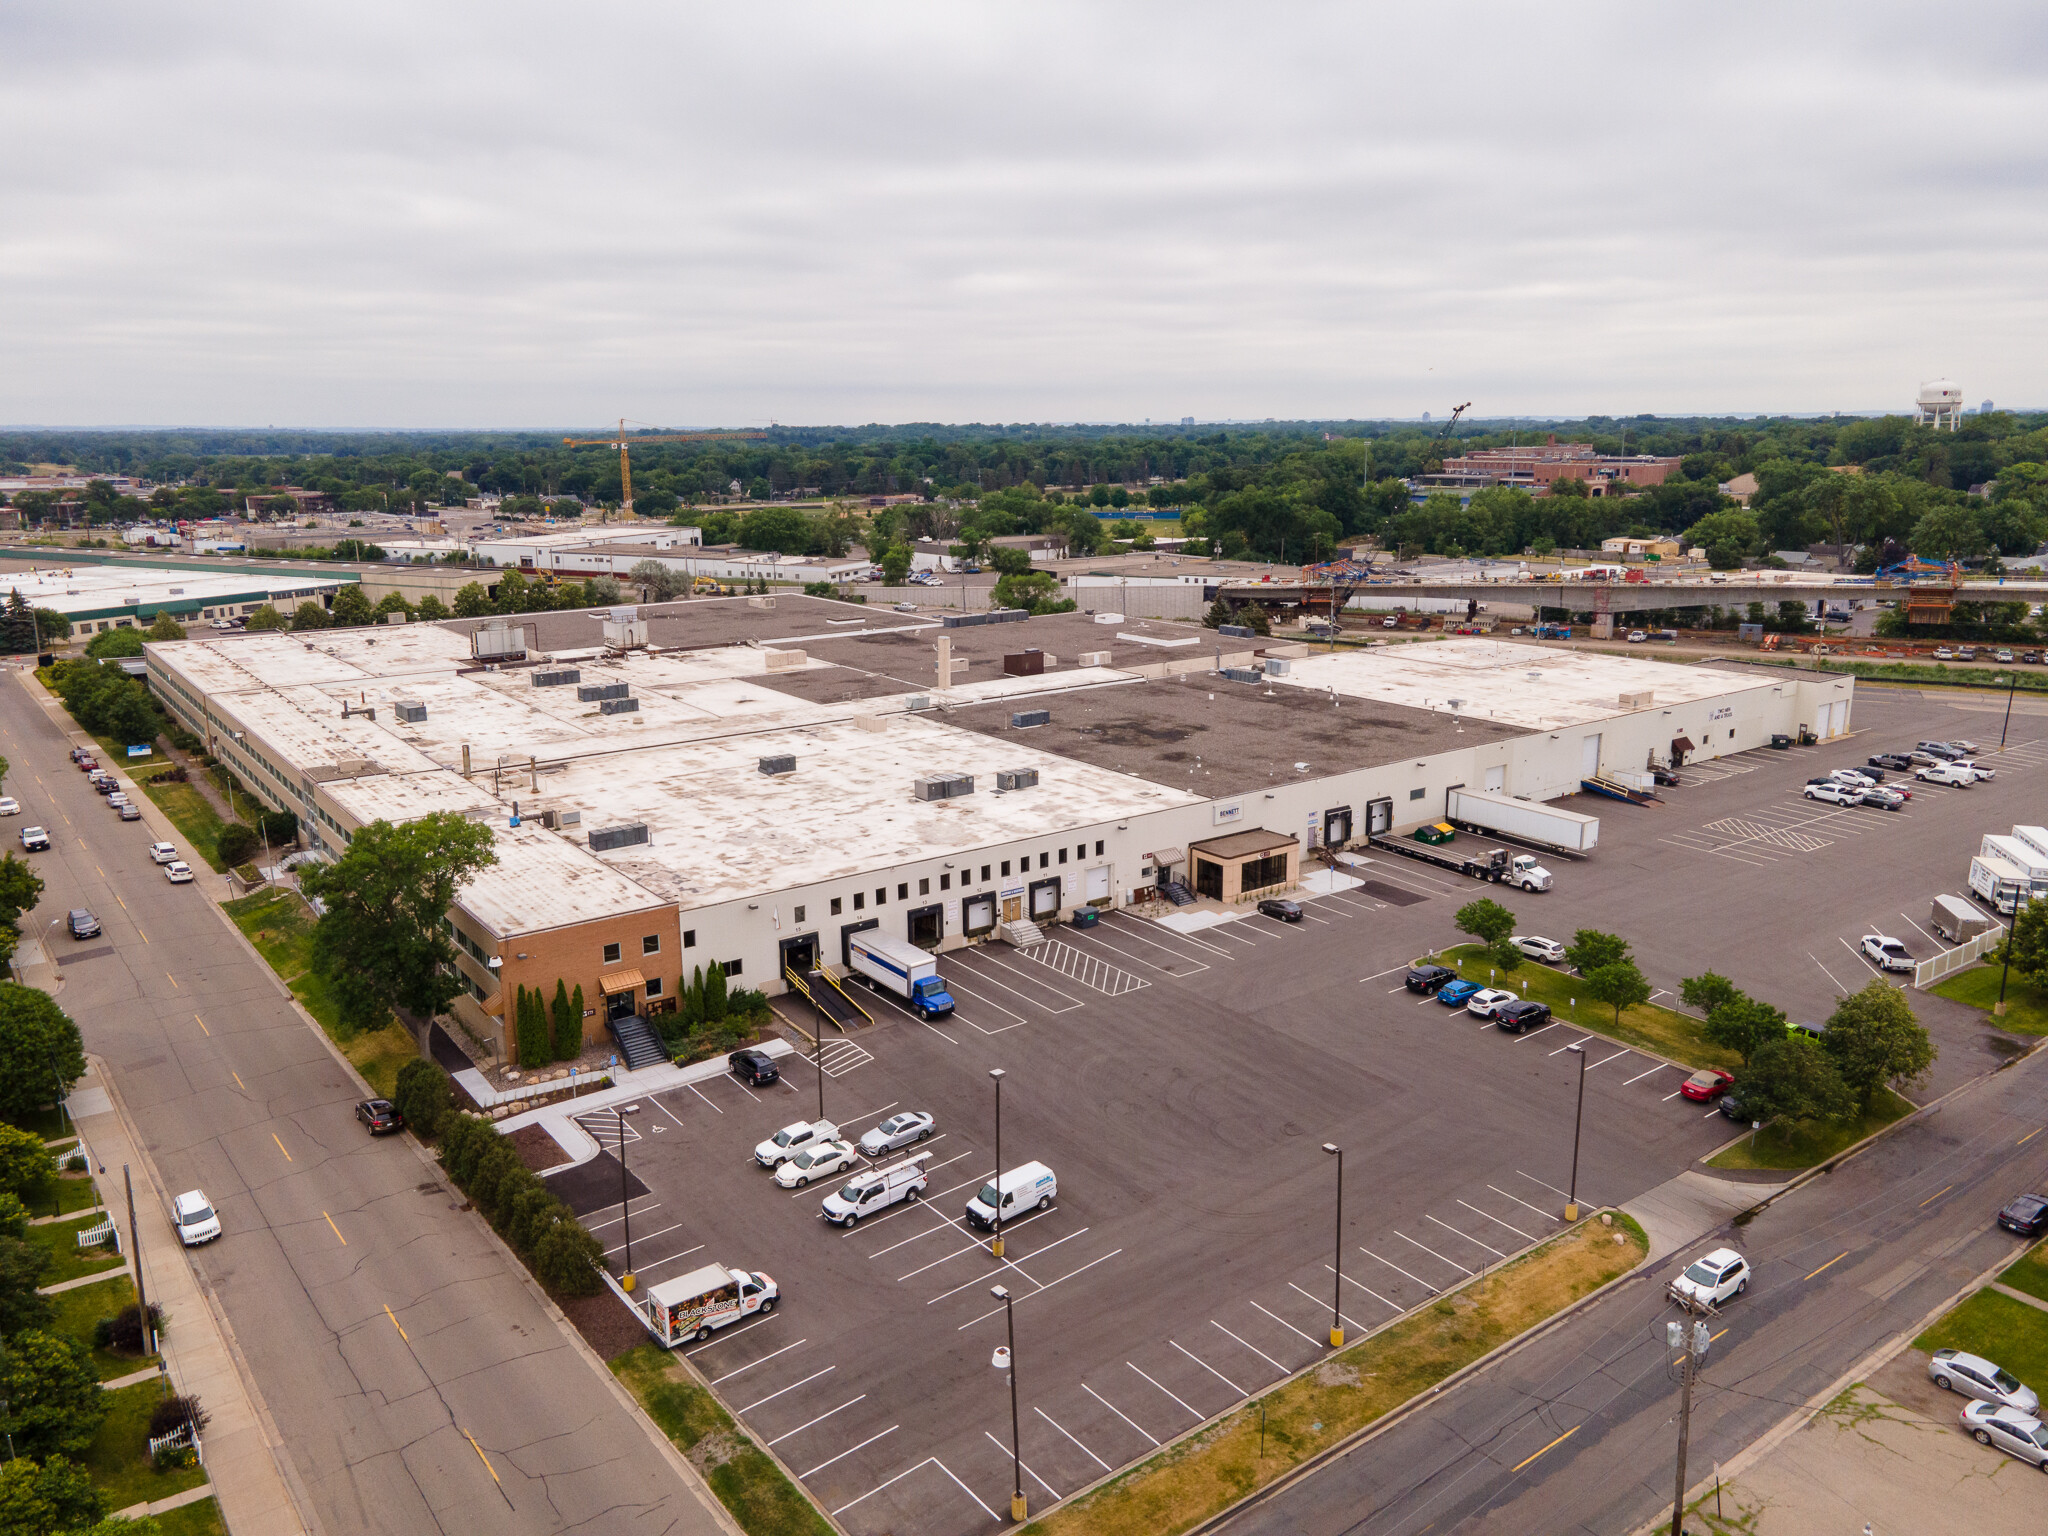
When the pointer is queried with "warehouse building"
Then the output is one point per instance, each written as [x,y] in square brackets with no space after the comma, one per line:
[102,597]
[761,782]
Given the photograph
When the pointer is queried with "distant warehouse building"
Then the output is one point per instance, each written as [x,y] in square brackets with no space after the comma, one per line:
[758,785]
[102,597]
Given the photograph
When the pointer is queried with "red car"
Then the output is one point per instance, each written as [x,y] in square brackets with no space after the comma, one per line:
[1707,1083]
[87,764]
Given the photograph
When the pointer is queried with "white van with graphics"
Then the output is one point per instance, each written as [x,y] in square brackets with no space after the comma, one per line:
[691,1305]
[1030,1187]
[876,1189]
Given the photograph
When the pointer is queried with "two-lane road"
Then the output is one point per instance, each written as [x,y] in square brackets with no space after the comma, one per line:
[416,1377]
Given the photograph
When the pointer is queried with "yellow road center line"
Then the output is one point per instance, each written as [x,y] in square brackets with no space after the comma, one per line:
[2028,1137]
[238,1079]
[480,1456]
[1935,1196]
[336,1230]
[401,1329]
[1831,1263]
[1560,1440]
[280,1146]
[117,897]
[173,980]
[145,937]
[202,1024]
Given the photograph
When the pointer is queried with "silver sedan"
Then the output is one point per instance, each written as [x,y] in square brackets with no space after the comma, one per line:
[2015,1433]
[1974,1376]
[897,1131]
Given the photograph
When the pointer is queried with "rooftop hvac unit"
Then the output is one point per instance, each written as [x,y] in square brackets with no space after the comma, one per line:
[1023,720]
[1642,700]
[560,677]
[781,763]
[1016,778]
[498,642]
[560,819]
[1024,663]
[1092,659]
[1243,675]
[411,714]
[624,613]
[1237,631]
[604,839]
[1005,615]
[618,706]
[942,786]
[1278,666]
[918,701]
[590,693]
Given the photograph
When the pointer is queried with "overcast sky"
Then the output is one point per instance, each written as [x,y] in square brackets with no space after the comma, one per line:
[522,215]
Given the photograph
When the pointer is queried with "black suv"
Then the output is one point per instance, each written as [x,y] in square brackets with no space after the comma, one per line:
[82,923]
[380,1115]
[1518,1016]
[2028,1216]
[1428,979]
[752,1067]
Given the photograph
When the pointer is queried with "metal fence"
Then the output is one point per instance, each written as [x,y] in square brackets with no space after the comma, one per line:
[1949,961]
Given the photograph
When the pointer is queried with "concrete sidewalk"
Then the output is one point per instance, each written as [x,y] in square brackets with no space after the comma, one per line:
[242,1447]
[559,1120]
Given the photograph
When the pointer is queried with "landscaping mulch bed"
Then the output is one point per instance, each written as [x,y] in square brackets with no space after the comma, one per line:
[605,1324]
[536,1148]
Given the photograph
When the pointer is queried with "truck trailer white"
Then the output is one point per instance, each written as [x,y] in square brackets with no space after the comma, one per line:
[1547,826]
[903,969]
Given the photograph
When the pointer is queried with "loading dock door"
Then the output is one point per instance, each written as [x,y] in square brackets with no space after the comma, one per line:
[846,940]
[800,954]
[1379,816]
[1589,757]
[1098,883]
[978,913]
[927,925]
[1045,897]
[1337,827]
[1496,779]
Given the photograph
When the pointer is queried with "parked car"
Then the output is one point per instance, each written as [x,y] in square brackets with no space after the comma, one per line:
[1974,1376]
[1482,1003]
[1897,761]
[1732,1107]
[897,1131]
[1943,653]
[1977,770]
[2025,1214]
[1951,774]
[792,1139]
[1428,979]
[2004,658]
[1455,994]
[2015,1433]
[1925,759]
[818,1162]
[1940,749]
[1886,798]
[1887,954]
[380,1115]
[163,853]
[1549,951]
[178,872]
[1521,1015]
[1636,637]
[79,754]
[752,1067]
[1962,748]
[1707,1083]
[83,924]
[1708,1282]
[131,812]
[197,1220]
[34,839]
[9,806]
[876,1189]
[1661,775]
[2031,658]
[1837,794]
[1280,907]
[1857,777]
[1967,653]
[87,763]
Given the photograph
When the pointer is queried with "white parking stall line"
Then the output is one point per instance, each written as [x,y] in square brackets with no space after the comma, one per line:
[1253,1348]
[613,1221]
[929,1461]
[918,1018]
[1563,1048]
[803,1477]
[1094,936]
[693,1088]
[1532,1034]
[1711,1113]
[1828,973]
[953,985]
[972,1247]
[1397,1269]
[1930,938]
[1345,1317]
[648,1237]
[943,1226]
[990,981]
[1461,1269]
[728,1376]
[1524,1236]
[1669,1097]
[1080,966]
[1467,1236]
[731,1333]
[1205,1365]
[1361,1285]
[1142,930]
[1651,1073]
[790,1388]
[1056,1424]
[1376,975]
[1112,1407]
[1196,1413]
[1624,1051]
[1010,1264]
[1048,1487]
[997,1311]
[1318,1343]
[653,1264]
[821,1418]
[1546,1215]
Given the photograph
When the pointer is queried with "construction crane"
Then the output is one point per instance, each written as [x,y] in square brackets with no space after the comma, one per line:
[622,442]
[1434,463]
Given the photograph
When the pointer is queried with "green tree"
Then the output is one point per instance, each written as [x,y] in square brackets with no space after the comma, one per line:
[55,1498]
[1792,1078]
[383,940]
[1618,984]
[513,593]
[472,602]
[266,617]
[41,1054]
[20,889]
[352,608]
[234,843]
[568,1024]
[112,643]
[663,583]
[18,628]
[1486,920]
[1876,1042]
[601,592]
[22,1267]
[531,1022]
[165,626]
[424,1096]
[1025,591]
[52,1392]
[51,625]
[2029,941]
[714,993]
[1707,991]
[1745,1026]
[27,1168]
[895,564]
[430,609]
[1590,949]
[310,615]
[566,1259]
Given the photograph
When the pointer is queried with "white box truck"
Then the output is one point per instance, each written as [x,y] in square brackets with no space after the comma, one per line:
[902,968]
[2035,838]
[1956,920]
[1547,826]
[2023,856]
[1999,884]
[690,1306]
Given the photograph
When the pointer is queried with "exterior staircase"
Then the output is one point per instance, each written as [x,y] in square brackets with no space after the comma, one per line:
[1178,893]
[639,1041]
[1023,933]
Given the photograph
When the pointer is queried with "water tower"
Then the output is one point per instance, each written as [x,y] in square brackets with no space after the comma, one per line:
[1940,405]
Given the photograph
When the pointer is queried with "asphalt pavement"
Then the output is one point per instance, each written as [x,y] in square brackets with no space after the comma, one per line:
[419,1379]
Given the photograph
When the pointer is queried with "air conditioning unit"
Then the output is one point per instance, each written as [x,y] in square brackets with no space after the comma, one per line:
[604,839]
[591,693]
[618,706]
[782,763]
[561,677]
[1092,659]
[1236,631]
[1278,666]
[1243,675]
[942,786]
[411,714]
[1025,719]
[1016,778]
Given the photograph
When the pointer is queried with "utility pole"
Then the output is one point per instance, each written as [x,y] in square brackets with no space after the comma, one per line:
[1695,1347]
[135,1254]
[626,1281]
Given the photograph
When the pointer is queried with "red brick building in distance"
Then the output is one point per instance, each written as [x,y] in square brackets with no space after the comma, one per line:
[1535,465]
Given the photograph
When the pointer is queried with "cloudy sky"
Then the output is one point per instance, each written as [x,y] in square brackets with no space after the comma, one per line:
[522,215]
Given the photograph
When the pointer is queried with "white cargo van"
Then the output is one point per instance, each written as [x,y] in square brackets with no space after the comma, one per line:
[876,1190]
[1956,920]
[691,1305]
[1030,1187]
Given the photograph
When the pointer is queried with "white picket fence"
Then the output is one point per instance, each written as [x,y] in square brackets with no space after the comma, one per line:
[1950,961]
[177,1440]
[105,1231]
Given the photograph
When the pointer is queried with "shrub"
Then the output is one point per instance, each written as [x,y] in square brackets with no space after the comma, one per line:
[568,1023]
[715,999]
[513,1184]
[463,1140]
[747,1003]
[53,1396]
[566,1259]
[236,843]
[424,1096]
[531,1213]
[497,1163]
[174,1413]
[124,1332]
[280,827]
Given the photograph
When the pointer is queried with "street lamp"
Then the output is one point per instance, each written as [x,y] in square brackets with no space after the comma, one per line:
[1005,1359]
[2005,969]
[1337,1282]
[995,1247]
[2011,683]
[626,1281]
[1571,1201]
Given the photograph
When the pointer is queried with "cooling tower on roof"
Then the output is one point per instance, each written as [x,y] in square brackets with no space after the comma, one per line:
[1940,405]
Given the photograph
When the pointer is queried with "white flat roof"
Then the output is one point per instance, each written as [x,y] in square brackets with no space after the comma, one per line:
[92,588]
[543,880]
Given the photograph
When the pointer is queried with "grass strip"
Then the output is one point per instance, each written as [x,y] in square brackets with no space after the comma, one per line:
[1192,1480]
[46,1123]
[2026,1005]
[118,1458]
[747,1480]
[1665,1031]
[69,1192]
[200,1518]
[1999,1328]
[1967,676]
[1802,1143]
[280,925]
[192,814]
[2029,1272]
[68,1261]
[77,1311]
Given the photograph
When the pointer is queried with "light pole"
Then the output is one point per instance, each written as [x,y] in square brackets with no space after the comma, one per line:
[2011,683]
[1006,1359]
[626,1281]
[2005,969]
[1571,1201]
[818,1060]
[1337,1280]
[995,1247]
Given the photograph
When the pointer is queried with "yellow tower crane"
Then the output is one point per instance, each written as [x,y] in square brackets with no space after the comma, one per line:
[622,442]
